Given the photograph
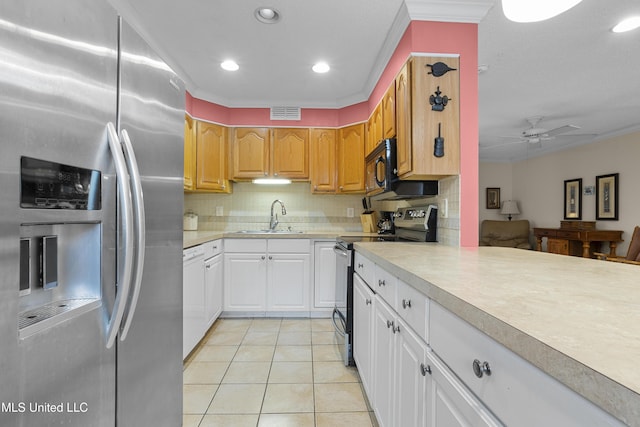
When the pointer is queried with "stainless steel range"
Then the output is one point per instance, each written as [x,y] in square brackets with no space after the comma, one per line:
[414,224]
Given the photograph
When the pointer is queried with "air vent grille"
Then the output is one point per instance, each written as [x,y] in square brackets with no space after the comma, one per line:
[285,113]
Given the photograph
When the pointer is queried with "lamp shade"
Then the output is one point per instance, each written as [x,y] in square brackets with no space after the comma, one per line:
[509,208]
[535,10]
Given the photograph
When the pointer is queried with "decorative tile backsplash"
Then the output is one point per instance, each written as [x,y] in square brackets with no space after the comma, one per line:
[248,208]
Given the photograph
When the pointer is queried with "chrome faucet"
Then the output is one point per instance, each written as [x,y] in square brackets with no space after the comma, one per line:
[274,217]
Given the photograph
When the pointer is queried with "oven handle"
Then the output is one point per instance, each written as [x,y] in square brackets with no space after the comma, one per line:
[338,250]
[341,332]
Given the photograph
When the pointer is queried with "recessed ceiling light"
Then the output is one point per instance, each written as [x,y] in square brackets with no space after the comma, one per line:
[229,65]
[627,25]
[267,15]
[321,67]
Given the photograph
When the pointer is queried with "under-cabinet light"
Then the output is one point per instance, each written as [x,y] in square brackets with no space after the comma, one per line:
[272,181]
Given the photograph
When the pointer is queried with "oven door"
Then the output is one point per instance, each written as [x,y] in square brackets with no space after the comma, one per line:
[341,312]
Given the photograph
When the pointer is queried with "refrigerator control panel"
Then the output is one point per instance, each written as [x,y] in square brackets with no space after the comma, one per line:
[50,185]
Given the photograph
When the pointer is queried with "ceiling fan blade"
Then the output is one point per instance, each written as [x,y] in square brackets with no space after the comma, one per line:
[560,130]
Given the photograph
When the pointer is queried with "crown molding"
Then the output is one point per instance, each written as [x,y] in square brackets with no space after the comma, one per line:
[467,11]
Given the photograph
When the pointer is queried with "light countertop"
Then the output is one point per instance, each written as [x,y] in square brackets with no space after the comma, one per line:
[193,238]
[576,319]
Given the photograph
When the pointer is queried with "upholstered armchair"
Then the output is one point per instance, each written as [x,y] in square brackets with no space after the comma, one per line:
[508,234]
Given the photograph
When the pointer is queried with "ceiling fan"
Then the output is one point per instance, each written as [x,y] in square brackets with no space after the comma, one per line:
[535,134]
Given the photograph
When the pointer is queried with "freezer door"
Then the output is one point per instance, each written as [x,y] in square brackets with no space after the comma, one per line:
[58,80]
[150,357]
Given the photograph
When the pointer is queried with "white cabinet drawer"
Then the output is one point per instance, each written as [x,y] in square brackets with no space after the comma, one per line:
[246,245]
[289,245]
[385,284]
[516,391]
[364,268]
[212,248]
[413,307]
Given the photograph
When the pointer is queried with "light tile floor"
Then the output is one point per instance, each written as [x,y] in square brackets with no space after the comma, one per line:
[272,372]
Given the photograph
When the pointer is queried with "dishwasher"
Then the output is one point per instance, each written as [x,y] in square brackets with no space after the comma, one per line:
[193,324]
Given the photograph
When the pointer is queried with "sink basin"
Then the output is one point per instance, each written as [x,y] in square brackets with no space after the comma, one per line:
[268,232]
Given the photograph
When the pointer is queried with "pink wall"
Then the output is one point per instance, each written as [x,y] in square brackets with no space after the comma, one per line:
[420,37]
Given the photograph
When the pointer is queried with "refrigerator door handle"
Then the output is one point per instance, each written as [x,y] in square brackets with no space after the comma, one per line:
[139,223]
[124,198]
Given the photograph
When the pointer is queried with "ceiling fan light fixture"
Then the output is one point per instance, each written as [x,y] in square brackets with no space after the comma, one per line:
[535,10]
[321,67]
[267,15]
[627,24]
[229,65]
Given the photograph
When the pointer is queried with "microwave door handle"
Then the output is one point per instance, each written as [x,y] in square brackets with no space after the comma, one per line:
[375,172]
[124,198]
[140,232]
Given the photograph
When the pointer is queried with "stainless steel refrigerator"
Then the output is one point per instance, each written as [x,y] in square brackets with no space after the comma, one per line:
[91,140]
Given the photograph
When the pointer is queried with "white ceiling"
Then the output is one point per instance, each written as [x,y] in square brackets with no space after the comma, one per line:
[570,69]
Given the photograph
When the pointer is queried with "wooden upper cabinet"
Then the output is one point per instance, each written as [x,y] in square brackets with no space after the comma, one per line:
[374,130]
[403,120]
[351,143]
[389,112]
[323,160]
[417,123]
[290,153]
[250,152]
[189,153]
[211,155]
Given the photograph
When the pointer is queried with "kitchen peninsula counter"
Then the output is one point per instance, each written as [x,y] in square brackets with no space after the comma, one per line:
[576,319]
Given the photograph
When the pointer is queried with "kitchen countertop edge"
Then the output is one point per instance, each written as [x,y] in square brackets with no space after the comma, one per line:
[194,238]
[615,398]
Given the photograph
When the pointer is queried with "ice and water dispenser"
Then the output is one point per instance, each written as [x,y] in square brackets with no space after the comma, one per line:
[60,252]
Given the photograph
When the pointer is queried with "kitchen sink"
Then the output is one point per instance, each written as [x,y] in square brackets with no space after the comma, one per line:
[268,232]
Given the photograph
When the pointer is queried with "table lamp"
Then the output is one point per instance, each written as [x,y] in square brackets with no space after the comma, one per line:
[510,207]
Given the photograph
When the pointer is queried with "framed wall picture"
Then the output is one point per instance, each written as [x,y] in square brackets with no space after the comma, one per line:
[573,199]
[607,197]
[493,198]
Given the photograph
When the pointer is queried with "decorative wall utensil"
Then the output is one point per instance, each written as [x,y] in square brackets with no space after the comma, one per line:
[438,102]
[438,146]
[439,69]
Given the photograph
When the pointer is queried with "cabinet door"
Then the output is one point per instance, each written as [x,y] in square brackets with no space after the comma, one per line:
[410,378]
[363,300]
[351,159]
[193,307]
[389,112]
[211,155]
[323,160]
[290,153]
[450,404]
[189,153]
[383,362]
[403,119]
[213,284]
[374,129]
[250,149]
[245,282]
[425,121]
[288,282]
[558,246]
[324,288]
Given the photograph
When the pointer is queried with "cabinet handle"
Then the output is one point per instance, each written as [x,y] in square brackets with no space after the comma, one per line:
[360,265]
[381,282]
[270,257]
[481,368]
[406,303]
[425,369]
[389,323]
[265,174]
[395,329]
[275,174]
[367,301]
[341,188]
[208,267]
[262,257]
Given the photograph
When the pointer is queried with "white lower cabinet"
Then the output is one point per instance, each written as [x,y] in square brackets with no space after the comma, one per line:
[213,285]
[267,275]
[383,361]
[412,378]
[324,283]
[363,301]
